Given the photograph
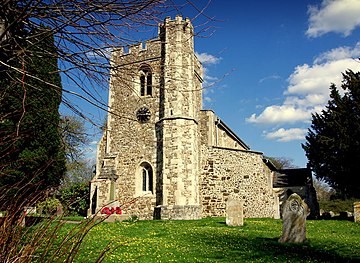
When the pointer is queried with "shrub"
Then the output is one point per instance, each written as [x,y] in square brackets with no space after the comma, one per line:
[76,199]
[49,206]
[338,205]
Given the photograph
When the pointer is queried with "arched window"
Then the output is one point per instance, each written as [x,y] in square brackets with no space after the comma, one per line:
[145,81]
[147,177]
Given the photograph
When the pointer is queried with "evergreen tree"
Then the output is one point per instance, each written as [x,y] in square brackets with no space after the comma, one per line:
[333,142]
[31,152]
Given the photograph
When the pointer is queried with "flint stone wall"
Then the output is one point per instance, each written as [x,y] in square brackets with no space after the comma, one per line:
[236,174]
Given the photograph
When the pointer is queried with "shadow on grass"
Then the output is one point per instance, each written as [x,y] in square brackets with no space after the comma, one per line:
[244,249]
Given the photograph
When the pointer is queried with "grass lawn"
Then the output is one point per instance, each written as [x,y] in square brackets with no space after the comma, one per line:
[211,240]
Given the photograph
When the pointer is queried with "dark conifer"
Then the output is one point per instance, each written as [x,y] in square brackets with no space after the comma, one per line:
[31,153]
[333,141]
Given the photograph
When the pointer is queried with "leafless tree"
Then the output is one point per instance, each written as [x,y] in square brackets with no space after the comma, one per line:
[85,32]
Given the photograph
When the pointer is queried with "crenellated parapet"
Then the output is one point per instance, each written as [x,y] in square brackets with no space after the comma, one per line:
[137,53]
[184,25]
[151,49]
[137,48]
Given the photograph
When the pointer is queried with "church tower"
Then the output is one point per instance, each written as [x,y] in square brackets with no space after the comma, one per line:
[179,122]
[148,158]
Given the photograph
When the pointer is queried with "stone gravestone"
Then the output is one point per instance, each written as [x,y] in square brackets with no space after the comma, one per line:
[357,212]
[294,216]
[234,213]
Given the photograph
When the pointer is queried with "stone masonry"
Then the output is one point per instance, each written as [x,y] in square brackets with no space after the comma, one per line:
[162,156]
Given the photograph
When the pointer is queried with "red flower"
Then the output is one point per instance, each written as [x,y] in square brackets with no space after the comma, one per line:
[112,210]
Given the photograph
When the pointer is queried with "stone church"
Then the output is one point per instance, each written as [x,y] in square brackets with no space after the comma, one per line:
[161,155]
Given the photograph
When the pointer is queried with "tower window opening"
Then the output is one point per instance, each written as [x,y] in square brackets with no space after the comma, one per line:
[147,178]
[145,81]
[142,85]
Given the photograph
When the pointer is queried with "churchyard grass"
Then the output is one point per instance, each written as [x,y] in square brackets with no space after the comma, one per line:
[211,240]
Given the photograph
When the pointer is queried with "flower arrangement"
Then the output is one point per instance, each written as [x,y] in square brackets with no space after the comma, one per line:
[111,210]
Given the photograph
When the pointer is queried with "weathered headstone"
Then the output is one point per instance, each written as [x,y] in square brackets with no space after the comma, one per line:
[294,216]
[357,212]
[234,213]
[276,207]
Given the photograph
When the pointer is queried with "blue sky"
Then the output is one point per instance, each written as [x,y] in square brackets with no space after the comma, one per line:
[269,65]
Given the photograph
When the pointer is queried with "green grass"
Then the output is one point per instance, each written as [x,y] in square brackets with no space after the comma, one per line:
[211,240]
[72,218]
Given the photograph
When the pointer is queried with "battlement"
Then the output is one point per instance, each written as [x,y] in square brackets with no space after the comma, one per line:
[153,45]
[137,48]
[178,23]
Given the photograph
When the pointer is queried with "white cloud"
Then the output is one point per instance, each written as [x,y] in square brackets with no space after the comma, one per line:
[280,114]
[283,135]
[207,59]
[317,78]
[308,90]
[208,99]
[100,53]
[339,53]
[272,77]
[209,81]
[340,16]
[310,100]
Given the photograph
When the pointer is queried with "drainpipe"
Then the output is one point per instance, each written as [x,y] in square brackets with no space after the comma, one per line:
[216,128]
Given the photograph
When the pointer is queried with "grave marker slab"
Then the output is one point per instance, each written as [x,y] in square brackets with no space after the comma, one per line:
[234,213]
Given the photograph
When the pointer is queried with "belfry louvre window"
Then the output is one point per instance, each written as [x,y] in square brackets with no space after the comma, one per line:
[147,178]
[145,81]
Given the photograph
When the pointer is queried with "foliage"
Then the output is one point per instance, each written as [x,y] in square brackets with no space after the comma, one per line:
[48,206]
[211,240]
[76,141]
[323,191]
[76,199]
[80,171]
[74,137]
[338,205]
[333,141]
[47,241]
[281,162]
[31,152]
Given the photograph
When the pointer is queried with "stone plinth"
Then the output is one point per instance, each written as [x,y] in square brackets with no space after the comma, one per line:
[177,212]
[294,216]
[234,213]
[357,212]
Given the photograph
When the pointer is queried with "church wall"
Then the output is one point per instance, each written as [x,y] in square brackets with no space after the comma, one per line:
[235,174]
[214,133]
[224,140]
